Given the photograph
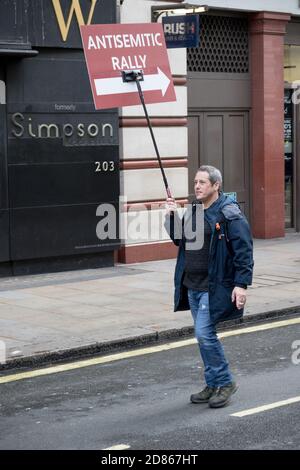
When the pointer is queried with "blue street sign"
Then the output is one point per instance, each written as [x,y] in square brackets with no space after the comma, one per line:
[232,196]
[181,31]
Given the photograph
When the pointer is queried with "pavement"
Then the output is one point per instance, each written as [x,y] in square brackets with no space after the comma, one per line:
[51,317]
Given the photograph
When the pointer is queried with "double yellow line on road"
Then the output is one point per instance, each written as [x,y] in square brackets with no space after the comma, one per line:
[139,352]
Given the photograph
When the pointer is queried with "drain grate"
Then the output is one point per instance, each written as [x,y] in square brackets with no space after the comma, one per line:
[266,280]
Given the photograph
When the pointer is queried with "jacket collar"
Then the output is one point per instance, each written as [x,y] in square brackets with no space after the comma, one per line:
[211,214]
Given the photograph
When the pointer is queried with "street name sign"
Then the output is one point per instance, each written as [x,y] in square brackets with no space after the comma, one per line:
[181,31]
[111,49]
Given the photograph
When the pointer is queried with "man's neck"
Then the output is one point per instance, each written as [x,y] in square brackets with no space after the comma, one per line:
[209,202]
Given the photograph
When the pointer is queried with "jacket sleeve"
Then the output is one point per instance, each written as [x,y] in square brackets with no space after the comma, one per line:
[241,243]
[173,226]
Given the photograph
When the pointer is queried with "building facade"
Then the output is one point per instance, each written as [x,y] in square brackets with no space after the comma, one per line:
[237,107]
[59,158]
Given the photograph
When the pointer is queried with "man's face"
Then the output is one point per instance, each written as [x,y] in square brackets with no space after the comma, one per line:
[204,190]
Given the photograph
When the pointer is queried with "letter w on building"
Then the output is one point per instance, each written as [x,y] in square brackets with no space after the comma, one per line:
[75,8]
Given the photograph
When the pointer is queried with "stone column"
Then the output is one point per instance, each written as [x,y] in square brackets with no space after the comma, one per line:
[267,67]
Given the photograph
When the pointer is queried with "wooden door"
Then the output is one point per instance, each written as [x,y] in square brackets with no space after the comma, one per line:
[221,139]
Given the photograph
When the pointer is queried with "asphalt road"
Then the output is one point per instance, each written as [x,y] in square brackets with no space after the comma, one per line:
[143,402]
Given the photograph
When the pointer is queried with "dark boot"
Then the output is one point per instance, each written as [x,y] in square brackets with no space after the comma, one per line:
[222,395]
[203,396]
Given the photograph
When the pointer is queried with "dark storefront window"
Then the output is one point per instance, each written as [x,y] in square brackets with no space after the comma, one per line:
[292,63]
[288,156]
[291,109]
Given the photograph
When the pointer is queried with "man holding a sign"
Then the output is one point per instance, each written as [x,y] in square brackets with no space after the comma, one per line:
[211,280]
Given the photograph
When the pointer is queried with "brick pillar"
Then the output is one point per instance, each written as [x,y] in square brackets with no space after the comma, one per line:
[267,47]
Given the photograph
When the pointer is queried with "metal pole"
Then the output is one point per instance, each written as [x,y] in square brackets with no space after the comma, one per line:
[152,135]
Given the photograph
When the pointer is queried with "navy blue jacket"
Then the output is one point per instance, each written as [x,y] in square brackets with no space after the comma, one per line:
[230,258]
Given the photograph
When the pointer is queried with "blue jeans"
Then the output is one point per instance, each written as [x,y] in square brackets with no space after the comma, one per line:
[216,368]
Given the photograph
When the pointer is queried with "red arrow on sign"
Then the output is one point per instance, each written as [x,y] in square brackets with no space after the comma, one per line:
[111,49]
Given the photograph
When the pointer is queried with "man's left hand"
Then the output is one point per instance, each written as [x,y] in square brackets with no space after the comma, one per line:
[239,296]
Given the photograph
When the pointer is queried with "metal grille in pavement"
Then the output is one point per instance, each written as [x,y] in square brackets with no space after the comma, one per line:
[265,280]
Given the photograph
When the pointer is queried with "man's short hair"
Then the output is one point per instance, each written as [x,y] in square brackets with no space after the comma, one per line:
[214,175]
